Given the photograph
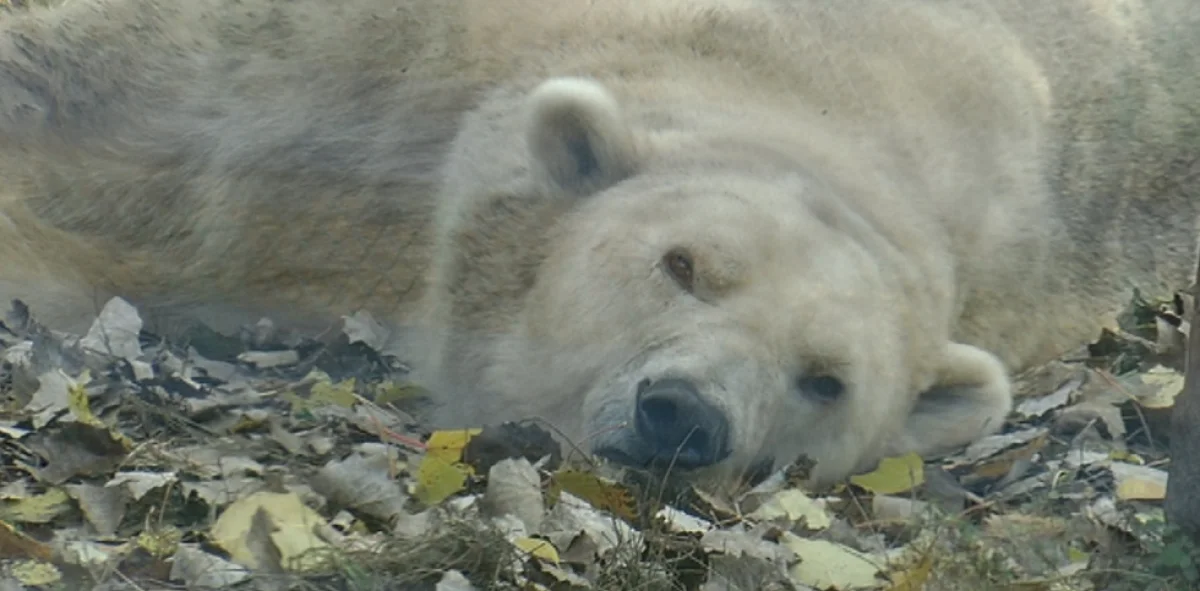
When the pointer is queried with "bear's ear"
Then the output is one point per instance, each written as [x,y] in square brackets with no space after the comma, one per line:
[578,136]
[970,398]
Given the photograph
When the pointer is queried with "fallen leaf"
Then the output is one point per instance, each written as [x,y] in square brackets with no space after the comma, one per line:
[361,327]
[893,508]
[453,580]
[437,479]
[139,484]
[52,397]
[201,570]
[914,577]
[826,565]
[740,542]
[14,544]
[600,493]
[572,515]
[448,445]
[362,483]
[441,472]
[1139,482]
[327,392]
[1162,385]
[87,553]
[793,506]
[115,331]
[77,401]
[566,579]
[77,449]
[540,549]
[679,522]
[219,493]
[514,488]
[269,359]
[102,506]
[1036,407]
[42,508]
[293,522]
[160,542]
[35,573]
[893,475]
[993,444]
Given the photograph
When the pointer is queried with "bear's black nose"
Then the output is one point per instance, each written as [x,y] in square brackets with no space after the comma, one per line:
[678,425]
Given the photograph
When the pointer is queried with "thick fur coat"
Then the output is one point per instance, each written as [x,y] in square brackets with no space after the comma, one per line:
[708,234]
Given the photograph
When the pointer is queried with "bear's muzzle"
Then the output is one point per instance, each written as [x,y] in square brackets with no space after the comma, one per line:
[674,427]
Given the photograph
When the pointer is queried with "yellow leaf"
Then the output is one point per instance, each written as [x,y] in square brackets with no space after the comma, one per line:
[322,392]
[894,475]
[827,565]
[793,505]
[437,479]
[538,548]
[35,574]
[390,391]
[1127,456]
[448,445]
[1129,489]
[1163,385]
[442,472]
[325,392]
[77,400]
[601,494]
[41,508]
[160,543]
[294,532]
[914,577]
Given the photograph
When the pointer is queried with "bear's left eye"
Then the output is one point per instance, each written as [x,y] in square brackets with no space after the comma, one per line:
[822,388]
[678,263]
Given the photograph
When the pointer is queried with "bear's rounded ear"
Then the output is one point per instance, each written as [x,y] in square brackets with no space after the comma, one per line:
[578,136]
[970,398]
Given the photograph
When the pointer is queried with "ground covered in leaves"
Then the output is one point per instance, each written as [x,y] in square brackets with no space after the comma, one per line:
[265,462]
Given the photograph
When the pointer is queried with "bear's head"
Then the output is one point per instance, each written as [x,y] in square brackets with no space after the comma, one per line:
[719,303]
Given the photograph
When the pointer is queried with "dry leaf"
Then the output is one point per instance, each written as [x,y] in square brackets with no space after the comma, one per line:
[893,475]
[514,488]
[600,493]
[115,331]
[201,570]
[540,549]
[293,522]
[362,483]
[442,472]
[826,565]
[1160,387]
[42,508]
[102,506]
[14,544]
[793,506]
[35,573]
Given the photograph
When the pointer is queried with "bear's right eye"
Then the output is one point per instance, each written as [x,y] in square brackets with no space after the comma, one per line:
[824,388]
[678,263]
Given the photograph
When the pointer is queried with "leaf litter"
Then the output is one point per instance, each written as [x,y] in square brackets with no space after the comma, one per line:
[275,461]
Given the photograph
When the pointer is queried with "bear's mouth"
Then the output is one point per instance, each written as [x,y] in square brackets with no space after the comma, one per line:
[656,463]
[663,467]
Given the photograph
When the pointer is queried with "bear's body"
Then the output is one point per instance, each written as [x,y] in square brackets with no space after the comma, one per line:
[710,233]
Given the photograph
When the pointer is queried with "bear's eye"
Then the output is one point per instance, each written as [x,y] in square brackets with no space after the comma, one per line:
[822,388]
[678,263]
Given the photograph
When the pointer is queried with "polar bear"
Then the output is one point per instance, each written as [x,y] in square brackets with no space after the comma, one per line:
[698,236]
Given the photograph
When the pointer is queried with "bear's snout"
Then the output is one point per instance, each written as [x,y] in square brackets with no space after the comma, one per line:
[676,426]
